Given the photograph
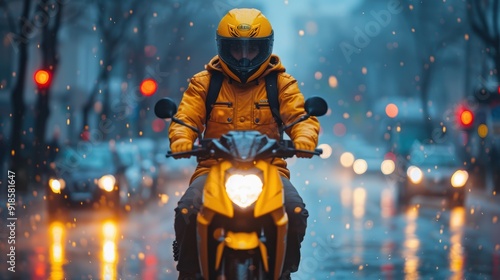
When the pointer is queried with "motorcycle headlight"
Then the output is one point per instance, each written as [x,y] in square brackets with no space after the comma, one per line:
[243,190]
[107,183]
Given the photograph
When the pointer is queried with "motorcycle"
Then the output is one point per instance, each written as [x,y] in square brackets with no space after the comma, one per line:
[242,223]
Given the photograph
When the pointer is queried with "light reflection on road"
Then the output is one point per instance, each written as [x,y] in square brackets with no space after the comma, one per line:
[411,245]
[456,255]
[109,250]
[60,234]
[57,256]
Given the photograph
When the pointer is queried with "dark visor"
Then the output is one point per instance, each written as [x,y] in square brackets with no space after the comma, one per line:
[244,54]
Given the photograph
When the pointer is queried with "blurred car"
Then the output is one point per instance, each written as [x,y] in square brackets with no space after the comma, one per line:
[147,150]
[170,168]
[139,176]
[364,157]
[435,170]
[83,175]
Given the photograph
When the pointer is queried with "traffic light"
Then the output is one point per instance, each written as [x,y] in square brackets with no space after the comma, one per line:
[465,117]
[42,78]
[148,87]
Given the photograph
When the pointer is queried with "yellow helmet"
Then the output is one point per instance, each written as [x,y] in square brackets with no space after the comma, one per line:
[244,44]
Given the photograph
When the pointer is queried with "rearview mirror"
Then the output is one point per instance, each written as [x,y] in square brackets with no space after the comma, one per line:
[316,106]
[165,108]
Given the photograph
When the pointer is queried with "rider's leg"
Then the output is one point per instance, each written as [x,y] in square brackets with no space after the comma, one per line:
[297,223]
[185,226]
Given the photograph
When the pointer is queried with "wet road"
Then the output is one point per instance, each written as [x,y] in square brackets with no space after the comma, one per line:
[357,232]
[354,231]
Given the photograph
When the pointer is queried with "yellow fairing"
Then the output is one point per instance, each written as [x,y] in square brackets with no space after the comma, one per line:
[216,198]
[214,193]
[271,197]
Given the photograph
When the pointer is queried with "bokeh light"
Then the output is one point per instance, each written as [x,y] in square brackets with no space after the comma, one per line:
[360,166]
[42,77]
[339,129]
[387,167]
[158,125]
[346,159]
[148,87]
[327,150]
[391,110]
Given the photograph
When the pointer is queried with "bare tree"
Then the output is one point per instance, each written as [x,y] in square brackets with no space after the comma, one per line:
[18,162]
[125,31]
[485,21]
[113,21]
[52,13]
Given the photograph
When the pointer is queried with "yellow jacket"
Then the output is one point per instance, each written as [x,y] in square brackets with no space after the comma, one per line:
[235,109]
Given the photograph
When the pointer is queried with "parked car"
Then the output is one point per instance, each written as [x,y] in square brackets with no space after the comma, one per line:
[84,175]
[436,170]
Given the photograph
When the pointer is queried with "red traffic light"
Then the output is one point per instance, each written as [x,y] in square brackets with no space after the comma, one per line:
[42,78]
[148,87]
[465,117]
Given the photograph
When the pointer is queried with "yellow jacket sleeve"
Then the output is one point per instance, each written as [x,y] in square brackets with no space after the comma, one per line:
[191,109]
[292,107]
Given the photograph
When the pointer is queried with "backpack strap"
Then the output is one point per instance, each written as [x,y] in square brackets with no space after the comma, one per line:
[214,87]
[272,96]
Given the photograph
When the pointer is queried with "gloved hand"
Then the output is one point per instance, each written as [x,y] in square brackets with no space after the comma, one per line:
[181,145]
[304,143]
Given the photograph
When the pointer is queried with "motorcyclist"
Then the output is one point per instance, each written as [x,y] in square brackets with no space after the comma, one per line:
[244,44]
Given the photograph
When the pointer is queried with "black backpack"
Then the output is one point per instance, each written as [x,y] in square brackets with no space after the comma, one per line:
[271,88]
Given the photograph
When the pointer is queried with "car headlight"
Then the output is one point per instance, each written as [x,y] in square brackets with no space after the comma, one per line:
[56,185]
[459,178]
[415,174]
[387,166]
[107,183]
[243,190]
[360,166]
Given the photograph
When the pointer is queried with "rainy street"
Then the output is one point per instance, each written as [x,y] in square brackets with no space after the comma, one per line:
[397,102]
[354,231]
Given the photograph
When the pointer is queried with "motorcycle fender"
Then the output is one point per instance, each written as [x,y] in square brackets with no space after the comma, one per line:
[214,192]
[242,241]
[272,196]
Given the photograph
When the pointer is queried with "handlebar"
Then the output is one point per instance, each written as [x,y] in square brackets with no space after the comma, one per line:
[285,150]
